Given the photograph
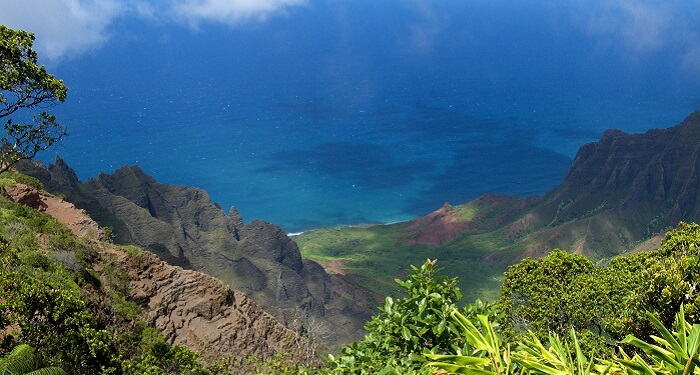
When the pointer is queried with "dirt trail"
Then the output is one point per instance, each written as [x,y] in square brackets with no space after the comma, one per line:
[74,218]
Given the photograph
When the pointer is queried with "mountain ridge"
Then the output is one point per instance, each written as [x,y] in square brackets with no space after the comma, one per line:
[618,196]
[644,183]
[183,227]
[190,308]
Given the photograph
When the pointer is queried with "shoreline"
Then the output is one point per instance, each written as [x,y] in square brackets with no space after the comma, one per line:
[363,226]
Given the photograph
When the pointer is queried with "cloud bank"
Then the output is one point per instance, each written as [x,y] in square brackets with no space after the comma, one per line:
[68,28]
[428,28]
[62,27]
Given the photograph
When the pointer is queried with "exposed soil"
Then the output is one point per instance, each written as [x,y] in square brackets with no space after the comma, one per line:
[335,266]
[75,219]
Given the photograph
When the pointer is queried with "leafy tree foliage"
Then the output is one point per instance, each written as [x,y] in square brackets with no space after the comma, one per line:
[45,314]
[604,304]
[164,359]
[535,291]
[406,327]
[24,86]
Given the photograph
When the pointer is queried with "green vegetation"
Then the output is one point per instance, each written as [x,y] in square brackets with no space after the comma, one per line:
[24,360]
[673,352]
[24,86]
[406,326]
[557,315]
[43,304]
[376,255]
[564,291]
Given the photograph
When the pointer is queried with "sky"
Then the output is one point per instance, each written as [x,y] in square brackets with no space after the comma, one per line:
[309,113]
[66,29]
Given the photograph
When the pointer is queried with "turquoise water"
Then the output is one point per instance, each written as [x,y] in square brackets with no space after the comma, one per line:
[334,115]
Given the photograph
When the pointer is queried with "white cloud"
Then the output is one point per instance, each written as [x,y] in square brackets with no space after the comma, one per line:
[230,12]
[144,9]
[691,58]
[63,28]
[640,27]
[68,28]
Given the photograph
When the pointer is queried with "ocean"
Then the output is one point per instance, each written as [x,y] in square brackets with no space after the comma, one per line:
[340,113]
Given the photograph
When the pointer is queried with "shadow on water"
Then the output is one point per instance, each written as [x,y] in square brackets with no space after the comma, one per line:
[368,165]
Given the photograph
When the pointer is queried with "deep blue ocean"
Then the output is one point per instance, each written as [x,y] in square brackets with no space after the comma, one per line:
[340,113]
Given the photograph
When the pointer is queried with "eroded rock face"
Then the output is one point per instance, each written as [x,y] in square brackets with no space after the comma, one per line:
[204,314]
[25,195]
[183,227]
[270,242]
[190,308]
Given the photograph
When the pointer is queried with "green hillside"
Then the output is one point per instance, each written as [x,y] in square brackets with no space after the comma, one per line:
[560,314]
[372,257]
[619,196]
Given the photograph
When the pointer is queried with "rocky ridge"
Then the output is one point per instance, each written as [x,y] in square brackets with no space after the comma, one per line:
[619,193]
[204,314]
[190,308]
[183,227]
[78,221]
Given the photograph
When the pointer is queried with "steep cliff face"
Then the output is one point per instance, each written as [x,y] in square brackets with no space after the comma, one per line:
[183,227]
[618,193]
[624,189]
[190,308]
[204,314]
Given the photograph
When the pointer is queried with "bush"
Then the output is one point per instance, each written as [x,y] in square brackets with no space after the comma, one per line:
[564,291]
[406,327]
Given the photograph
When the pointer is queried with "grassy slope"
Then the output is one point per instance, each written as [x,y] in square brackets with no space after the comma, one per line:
[374,256]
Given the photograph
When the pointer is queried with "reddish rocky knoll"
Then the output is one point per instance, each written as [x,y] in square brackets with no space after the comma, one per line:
[481,215]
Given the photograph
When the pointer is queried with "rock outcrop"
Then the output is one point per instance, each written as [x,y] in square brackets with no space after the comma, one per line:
[204,314]
[190,308]
[183,227]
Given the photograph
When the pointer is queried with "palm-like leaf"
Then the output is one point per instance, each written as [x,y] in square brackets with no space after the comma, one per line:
[674,352]
[558,358]
[532,356]
[491,359]
[23,360]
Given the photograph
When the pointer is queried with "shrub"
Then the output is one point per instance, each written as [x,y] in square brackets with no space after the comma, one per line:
[405,327]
